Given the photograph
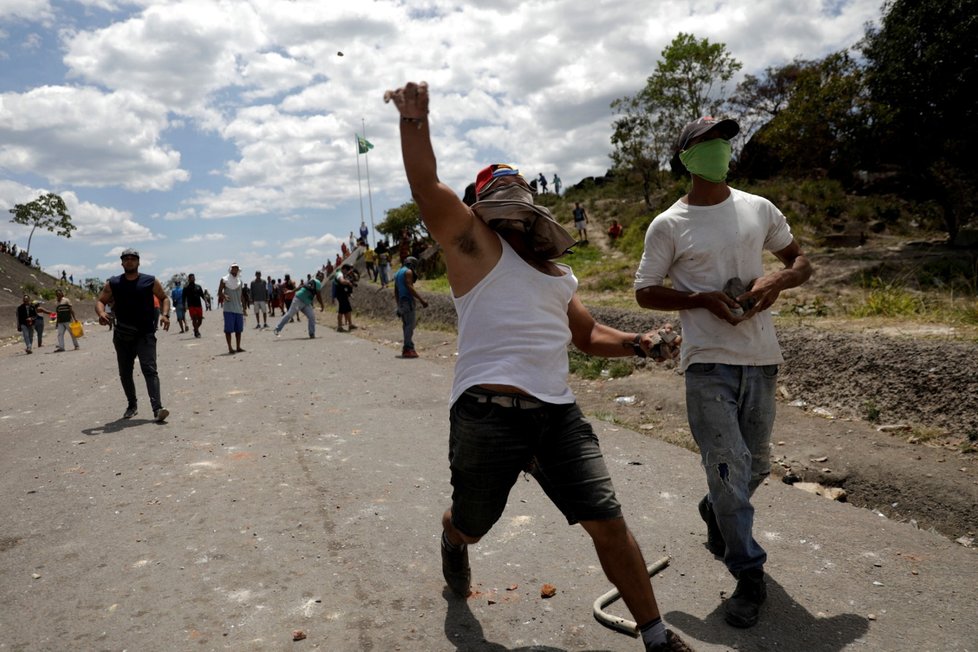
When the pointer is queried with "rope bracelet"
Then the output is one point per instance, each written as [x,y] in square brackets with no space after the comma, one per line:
[417,121]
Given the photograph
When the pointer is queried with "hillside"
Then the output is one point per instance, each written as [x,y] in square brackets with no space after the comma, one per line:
[17,279]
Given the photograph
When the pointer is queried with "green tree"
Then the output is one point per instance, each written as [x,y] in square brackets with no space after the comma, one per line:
[180,277]
[638,149]
[812,116]
[759,100]
[48,212]
[93,284]
[689,82]
[406,216]
[922,68]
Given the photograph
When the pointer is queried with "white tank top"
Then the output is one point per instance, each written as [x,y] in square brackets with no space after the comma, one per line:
[513,330]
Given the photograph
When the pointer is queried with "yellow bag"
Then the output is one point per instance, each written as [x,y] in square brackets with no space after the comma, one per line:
[76,329]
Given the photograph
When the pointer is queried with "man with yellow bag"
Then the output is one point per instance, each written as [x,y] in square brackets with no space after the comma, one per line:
[65,316]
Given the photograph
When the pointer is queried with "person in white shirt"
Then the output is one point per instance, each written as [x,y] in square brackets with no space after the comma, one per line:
[710,240]
[511,407]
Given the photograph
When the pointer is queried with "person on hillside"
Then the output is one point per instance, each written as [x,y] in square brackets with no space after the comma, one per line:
[176,300]
[370,261]
[307,293]
[614,231]
[229,296]
[580,222]
[404,296]
[542,181]
[193,303]
[557,184]
[134,334]
[343,284]
[259,298]
[364,231]
[384,263]
[511,406]
[730,353]
[65,314]
[26,317]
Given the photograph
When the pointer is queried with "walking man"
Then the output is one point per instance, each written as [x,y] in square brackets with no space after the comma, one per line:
[65,315]
[404,296]
[134,333]
[259,299]
[26,316]
[343,285]
[580,222]
[511,407]
[707,241]
[229,296]
[307,293]
[193,302]
[176,300]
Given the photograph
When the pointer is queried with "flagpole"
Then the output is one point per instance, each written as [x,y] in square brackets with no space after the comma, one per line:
[370,199]
[359,186]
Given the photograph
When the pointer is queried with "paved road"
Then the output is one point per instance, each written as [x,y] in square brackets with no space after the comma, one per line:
[299,486]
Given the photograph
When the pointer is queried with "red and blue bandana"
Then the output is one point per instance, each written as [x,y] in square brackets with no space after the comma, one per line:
[488,175]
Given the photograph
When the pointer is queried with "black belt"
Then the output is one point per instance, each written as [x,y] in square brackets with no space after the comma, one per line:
[517,401]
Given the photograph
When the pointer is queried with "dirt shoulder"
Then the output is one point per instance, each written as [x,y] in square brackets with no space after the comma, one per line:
[891,466]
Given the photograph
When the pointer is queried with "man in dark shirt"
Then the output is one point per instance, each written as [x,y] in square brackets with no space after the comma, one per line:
[134,336]
[193,301]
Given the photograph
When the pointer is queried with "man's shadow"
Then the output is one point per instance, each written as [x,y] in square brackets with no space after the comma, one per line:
[115,426]
[463,630]
[783,622]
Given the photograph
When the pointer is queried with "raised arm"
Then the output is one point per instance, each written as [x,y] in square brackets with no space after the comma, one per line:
[471,248]
[441,209]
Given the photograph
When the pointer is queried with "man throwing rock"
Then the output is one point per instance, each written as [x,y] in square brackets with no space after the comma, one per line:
[511,407]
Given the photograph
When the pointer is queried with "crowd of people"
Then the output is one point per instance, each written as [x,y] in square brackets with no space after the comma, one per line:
[6,247]
[511,409]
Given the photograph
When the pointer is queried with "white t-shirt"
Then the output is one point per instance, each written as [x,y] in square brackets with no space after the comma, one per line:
[700,248]
[513,329]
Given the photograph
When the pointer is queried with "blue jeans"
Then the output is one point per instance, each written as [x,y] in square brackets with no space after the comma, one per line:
[63,328]
[28,333]
[298,305]
[731,414]
[405,308]
[490,445]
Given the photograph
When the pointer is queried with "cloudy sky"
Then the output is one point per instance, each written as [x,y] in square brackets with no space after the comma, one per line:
[205,132]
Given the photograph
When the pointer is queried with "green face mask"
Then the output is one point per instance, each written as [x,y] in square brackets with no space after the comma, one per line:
[709,159]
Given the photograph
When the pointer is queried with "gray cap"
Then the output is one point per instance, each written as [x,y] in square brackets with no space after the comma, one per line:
[411,261]
[129,252]
[728,129]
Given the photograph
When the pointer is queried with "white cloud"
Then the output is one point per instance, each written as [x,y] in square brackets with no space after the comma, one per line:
[84,137]
[26,10]
[251,97]
[205,237]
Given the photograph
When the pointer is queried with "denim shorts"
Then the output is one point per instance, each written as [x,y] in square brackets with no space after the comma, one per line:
[233,322]
[490,445]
